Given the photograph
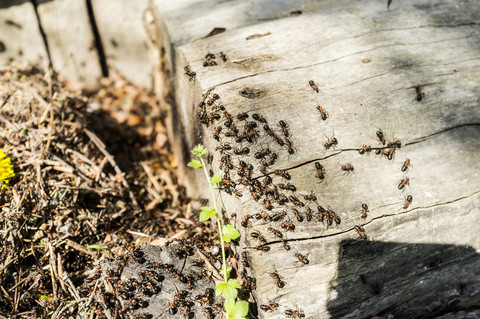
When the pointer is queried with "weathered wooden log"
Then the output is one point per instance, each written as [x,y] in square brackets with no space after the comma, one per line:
[384,237]
[20,37]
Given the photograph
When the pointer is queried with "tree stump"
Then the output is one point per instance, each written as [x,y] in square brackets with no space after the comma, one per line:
[378,175]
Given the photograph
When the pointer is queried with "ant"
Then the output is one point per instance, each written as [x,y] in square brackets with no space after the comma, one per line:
[364,210]
[420,94]
[405,166]
[381,137]
[267,204]
[302,258]
[270,307]
[209,56]
[241,151]
[334,216]
[278,216]
[390,153]
[262,153]
[273,135]
[361,232]
[314,87]
[308,213]
[273,157]
[320,170]
[403,182]
[347,167]
[284,126]
[310,197]
[288,187]
[213,99]
[258,236]
[217,132]
[263,248]
[223,56]
[288,226]
[321,213]
[323,113]
[278,279]
[365,149]
[289,146]
[242,116]
[394,144]
[408,201]
[275,232]
[295,201]
[285,245]
[295,313]
[283,173]
[189,73]
[330,143]
[259,118]
[297,214]
[209,63]
[244,222]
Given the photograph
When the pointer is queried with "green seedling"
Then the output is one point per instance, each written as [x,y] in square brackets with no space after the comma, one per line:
[235,309]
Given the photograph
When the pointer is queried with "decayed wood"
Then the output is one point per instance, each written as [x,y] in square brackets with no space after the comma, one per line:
[124,39]
[71,42]
[20,38]
[367,63]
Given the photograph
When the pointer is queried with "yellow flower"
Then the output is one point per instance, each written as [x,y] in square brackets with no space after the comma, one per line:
[6,169]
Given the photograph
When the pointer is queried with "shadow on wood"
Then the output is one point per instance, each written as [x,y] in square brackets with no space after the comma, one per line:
[404,280]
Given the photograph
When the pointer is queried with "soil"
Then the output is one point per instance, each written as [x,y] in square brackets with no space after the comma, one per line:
[95,180]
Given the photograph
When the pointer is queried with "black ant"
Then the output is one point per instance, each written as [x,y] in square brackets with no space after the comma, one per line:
[284,126]
[224,147]
[334,216]
[408,201]
[278,216]
[313,86]
[267,204]
[364,210]
[310,197]
[263,248]
[361,232]
[223,56]
[403,182]
[213,99]
[347,167]
[278,279]
[330,143]
[259,118]
[258,236]
[295,201]
[289,146]
[283,173]
[209,56]
[262,153]
[288,226]
[242,116]
[365,149]
[294,313]
[244,222]
[189,73]
[285,245]
[297,214]
[394,144]
[241,151]
[420,94]
[308,213]
[275,232]
[320,170]
[288,187]
[273,135]
[405,166]
[302,258]
[323,113]
[381,137]
[217,132]
[270,307]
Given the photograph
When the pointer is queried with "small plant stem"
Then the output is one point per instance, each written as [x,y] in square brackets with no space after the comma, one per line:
[219,222]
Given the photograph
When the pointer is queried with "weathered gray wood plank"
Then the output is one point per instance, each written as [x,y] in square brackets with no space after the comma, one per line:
[120,25]
[20,38]
[71,42]
[367,63]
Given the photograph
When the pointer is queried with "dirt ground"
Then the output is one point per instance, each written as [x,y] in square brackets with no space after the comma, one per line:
[94,180]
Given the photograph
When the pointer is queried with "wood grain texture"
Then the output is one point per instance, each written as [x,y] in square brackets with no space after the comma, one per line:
[124,39]
[421,261]
[20,37]
[71,42]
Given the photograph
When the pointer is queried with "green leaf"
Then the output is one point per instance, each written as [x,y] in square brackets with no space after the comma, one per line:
[228,305]
[227,290]
[234,283]
[239,310]
[207,213]
[195,164]
[215,179]
[98,247]
[222,272]
[199,150]
[230,233]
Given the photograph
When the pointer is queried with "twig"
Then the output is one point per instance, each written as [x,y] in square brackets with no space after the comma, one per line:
[94,138]
[80,248]
[215,273]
